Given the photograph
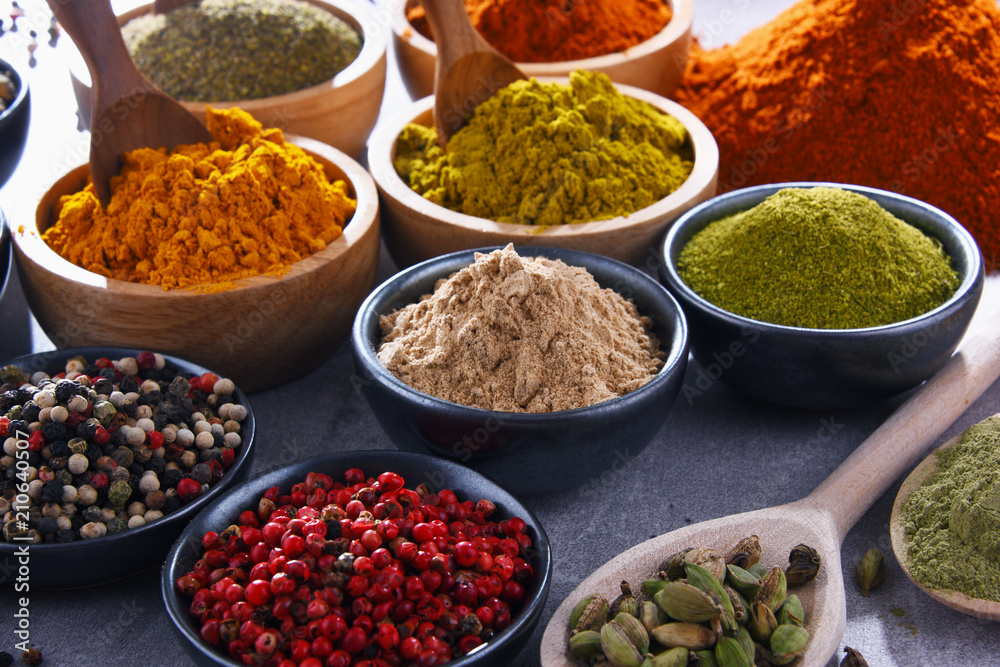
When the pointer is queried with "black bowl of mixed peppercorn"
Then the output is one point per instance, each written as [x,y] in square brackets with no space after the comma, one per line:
[15,112]
[107,454]
[360,558]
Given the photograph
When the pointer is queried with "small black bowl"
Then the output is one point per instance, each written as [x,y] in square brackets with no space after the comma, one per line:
[5,254]
[13,123]
[415,469]
[88,562]
[825,368]
[526,453]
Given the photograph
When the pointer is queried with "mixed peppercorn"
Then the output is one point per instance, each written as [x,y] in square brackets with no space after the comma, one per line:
[361,572]
[108,446]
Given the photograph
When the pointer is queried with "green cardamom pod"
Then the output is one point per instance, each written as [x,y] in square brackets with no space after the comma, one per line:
[763,622]
[585,645]
[773,589]
[636,632]
[871,570]
[803,565]
[792,613]
[747,644]
[708,558]
[618,648]
[743,581]
[651,587]
[626,602]
[729,653]
[701,578]
[853,658]
[675,657]
[787,643]
[745,553]
[758,570]
[673,567]
[684,602]
[740,606]
[589,613]
[691,636]
[650,615]
[707,658]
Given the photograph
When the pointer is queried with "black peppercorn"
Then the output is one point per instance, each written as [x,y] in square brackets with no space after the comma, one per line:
[128,408]
[22,395]
[52,491]
[54,431]
[65,389]
[87,429]
[58,448]
[169,478]
[333,529]
[16,425]
[103,386]
[108,374]
[6,659]
[6,401]
[128,384]
[90,370]
[136,469]
[48,526]
[64,536]
[93,452]
[30,412]
[157,465]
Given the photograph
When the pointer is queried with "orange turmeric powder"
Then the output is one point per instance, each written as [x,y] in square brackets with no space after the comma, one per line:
[205,215]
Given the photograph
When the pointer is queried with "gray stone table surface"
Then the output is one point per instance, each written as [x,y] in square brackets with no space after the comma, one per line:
[719,453]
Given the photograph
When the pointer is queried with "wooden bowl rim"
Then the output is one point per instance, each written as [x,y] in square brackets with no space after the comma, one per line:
[382,146]
[360,17]
[32,248]
[679,25]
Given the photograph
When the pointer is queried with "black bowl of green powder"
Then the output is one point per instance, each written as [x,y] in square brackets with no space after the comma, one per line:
[821,295]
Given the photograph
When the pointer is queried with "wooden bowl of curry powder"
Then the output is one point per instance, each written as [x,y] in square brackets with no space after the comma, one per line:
[416,228]
[260,331]
[654,64]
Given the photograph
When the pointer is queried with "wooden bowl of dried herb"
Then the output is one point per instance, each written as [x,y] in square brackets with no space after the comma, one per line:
[609,213]
[654,64]
[340,111]
[821,295]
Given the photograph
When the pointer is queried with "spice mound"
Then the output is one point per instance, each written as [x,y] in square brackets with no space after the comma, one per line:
[206,215]
[109,446]
[530,31]
[820,258]
[952,522]
[359,571]
[549,154]
[223,50]
[866,92]
[521,334]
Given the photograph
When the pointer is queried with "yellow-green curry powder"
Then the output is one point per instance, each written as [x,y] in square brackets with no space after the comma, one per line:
[821,258]
[952,521]
[550,154]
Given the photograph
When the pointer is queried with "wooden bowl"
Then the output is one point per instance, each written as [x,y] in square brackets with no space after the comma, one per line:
[655,65]
[262,333]
[340,112]
[417,229]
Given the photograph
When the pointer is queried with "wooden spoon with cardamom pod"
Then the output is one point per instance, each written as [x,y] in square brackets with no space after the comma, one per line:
[822,518]
[468,70]
[127,111]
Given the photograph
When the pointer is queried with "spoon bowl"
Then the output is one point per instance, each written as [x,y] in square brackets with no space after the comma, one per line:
[128,111]
[956,600]
[821,519]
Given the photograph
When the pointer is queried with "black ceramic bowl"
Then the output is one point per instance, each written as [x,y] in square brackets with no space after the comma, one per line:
[5,255]
[89,562]
[825,368]
[526,453]
[415,469]
[13,123]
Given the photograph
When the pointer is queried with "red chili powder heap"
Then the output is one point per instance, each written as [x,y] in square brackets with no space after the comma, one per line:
[903,96]
[528,31]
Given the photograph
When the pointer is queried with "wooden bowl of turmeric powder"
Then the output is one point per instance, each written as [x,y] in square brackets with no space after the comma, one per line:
[260,331]
[340,111]
[416,228]
[632,49]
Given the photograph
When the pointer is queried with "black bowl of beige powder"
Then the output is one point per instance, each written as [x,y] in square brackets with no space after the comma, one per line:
[542,368]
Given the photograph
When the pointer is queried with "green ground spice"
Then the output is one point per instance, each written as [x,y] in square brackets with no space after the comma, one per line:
[820,258]
[953,520]
[224,50]
[549,154]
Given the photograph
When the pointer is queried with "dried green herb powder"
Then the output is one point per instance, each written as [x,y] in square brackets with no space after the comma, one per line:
[820,258]
[223,50]
[952,522]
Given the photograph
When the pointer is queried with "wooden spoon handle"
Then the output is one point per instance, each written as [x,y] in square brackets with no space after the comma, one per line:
[898,444]
[454,35]
[94,29]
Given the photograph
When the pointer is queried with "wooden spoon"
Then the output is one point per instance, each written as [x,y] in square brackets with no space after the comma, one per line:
[988,609]
[127,111]
[468,69]
[822,518]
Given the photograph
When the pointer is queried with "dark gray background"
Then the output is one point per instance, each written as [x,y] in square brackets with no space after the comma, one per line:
[719,454]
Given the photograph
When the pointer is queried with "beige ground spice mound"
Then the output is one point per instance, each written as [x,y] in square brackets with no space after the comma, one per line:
[521,334]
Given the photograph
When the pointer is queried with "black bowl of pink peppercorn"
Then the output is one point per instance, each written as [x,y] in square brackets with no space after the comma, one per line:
[528,453]
[532,566]
[86,562]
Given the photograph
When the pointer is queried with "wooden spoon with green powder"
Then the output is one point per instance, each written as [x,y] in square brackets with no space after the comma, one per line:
[128,111]
[822,518]
[468,69]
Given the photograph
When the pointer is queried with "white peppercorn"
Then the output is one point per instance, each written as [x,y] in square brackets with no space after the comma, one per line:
[59,414]
[77,464]
[45,398]
[217,430]
[152,515]
[188,459]
[185,438]
[128,366]
[44,415]
[145,424]
[35,487]
[204,440]
[144,411]
[201,427]
[231,426]
[224,386]
[74,366]
[238,412]
[148,386]
[107,514]
[135,521]
[77,404]
[10,446]
[117,398]
[86,495]
[159,362]
[93,529]
[232,440]
[148,483]
[136,509]
[69,493]
[64,522]
[134,436]
[38,376]
[51,510]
